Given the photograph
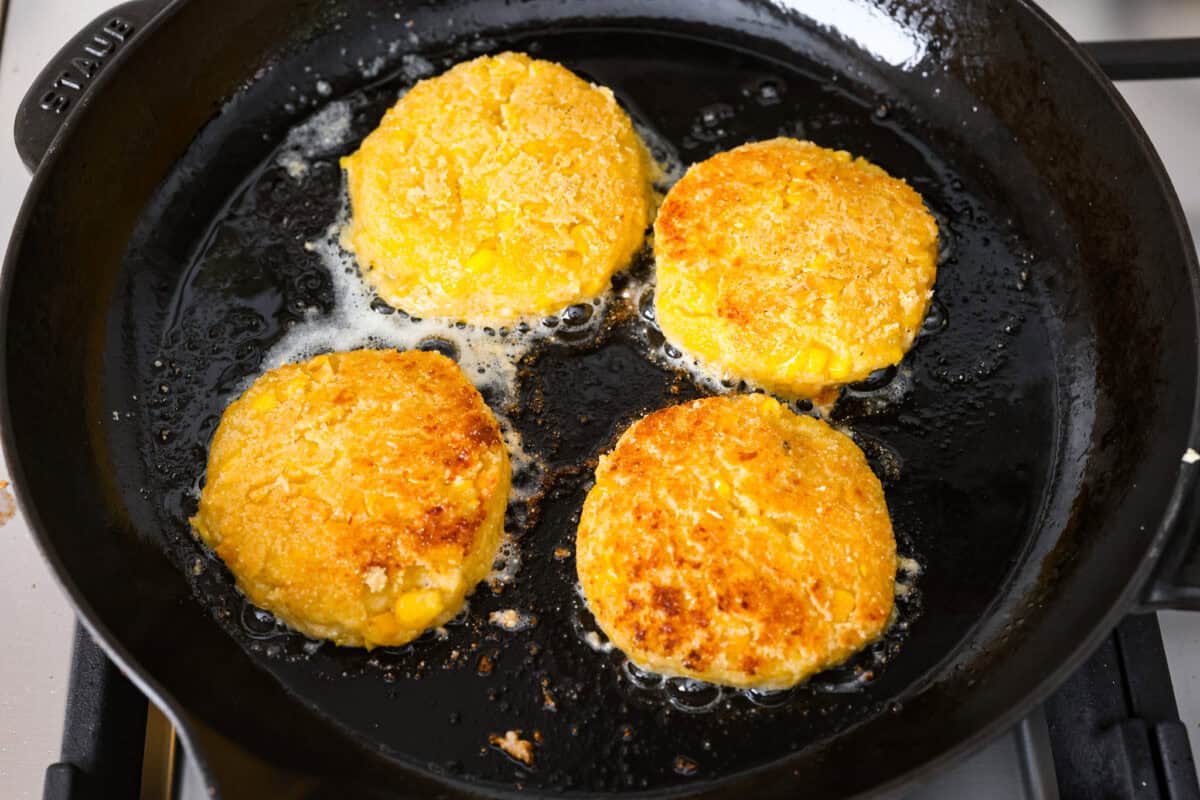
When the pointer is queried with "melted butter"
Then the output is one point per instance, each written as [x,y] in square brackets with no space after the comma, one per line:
[323,132]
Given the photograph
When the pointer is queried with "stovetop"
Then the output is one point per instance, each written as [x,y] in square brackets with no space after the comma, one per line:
[1112,730]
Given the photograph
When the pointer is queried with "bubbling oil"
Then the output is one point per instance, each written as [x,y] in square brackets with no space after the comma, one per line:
[322,132]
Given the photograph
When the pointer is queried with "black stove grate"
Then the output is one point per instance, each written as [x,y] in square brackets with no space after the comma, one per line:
[1114,725]
[105,731]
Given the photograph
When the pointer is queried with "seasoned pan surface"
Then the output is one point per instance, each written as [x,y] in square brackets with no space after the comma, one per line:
[963,434]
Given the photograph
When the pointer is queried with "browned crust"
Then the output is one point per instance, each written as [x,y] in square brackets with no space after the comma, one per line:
[719,535]
[351,469]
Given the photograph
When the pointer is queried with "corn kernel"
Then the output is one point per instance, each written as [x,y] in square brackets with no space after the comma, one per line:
[819,263]
[264,402]
[800,169]
[537,149]
[506,220]
[813,359]
[723,488]
[842,606]
[581,235]
[380,628]
[508,116]
[417,609]
[839,367]
[572,260]
[770,406]
[482,259]
[475,190]
[401,136]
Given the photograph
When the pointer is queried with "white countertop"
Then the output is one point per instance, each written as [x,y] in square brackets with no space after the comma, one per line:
[38,622]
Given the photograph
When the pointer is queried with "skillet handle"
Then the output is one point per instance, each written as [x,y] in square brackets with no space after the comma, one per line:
[1147,59]
[66,82]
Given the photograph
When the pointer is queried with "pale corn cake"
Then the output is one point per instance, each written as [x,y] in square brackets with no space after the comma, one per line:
[503,188]
[792,266]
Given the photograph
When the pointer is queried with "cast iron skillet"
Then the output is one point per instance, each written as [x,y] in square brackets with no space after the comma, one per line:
[1031,447]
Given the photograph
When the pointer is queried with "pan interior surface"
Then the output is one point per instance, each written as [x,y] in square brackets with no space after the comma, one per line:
[962,434]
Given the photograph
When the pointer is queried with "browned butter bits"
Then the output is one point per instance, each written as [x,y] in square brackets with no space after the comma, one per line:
[731,540]
[357,496]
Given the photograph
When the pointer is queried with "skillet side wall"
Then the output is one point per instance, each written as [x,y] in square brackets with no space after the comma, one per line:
[1127,305]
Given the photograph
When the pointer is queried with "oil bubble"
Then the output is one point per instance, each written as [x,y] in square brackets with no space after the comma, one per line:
[768,698]
[435,344]
[258,624]
[876,380]
[577,314]
[642,679]
[769,92]
[693,696]
[709,124]
[936,318]
[646,305]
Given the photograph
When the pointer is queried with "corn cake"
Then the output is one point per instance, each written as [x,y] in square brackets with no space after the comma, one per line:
[733,541]
[505,187]
[792,266]
[357,496]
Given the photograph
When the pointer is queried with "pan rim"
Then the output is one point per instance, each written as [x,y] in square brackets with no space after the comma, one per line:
[180,717]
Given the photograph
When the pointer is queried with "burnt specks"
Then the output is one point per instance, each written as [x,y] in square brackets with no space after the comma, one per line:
[667,599]
[690,544]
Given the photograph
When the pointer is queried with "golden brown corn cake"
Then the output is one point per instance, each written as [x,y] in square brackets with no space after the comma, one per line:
[733,541]
[792,266]
[357,496]
[505,187]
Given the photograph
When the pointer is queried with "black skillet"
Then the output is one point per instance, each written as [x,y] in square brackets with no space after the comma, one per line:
[1031,448]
